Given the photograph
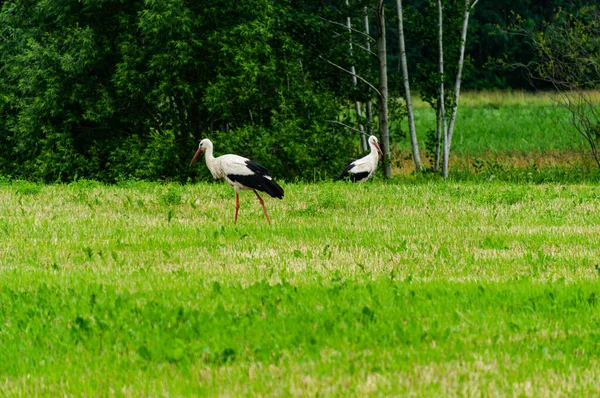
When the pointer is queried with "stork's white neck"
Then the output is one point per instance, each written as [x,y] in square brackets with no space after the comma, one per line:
[210,158]
[208,153]
[374,153]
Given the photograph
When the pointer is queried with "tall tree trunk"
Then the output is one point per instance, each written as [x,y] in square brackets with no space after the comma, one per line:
[441,114]
[357,107]
[369,106]
[361,128]
[440,127]
[384,133]
[461,59]
[409,108]
[368,47]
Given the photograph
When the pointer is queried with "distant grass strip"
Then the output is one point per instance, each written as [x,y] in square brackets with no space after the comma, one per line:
[515,129]
[508,98]
[484,131]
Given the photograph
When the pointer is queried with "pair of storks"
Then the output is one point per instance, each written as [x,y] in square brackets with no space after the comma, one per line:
[245,174]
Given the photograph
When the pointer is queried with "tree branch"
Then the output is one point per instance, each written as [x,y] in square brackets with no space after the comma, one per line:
[354,74]
[366,49]
[348,127]
[346,27]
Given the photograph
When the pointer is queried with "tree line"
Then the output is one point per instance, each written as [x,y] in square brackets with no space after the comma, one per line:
[113,90]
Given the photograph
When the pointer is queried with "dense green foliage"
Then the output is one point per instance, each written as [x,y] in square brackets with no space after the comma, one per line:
[489,38]
[393,289]
[115,90]
[112,90]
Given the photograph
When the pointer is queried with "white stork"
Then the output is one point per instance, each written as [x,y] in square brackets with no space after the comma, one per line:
[362,169]
[241,174]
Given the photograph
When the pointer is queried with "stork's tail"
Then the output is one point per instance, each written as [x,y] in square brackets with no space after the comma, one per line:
[342,176]
[345,173]
[272,188]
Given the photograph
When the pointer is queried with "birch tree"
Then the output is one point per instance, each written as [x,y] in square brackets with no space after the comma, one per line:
[469,5]
[368,104]
[441,108]
[383,89]
[409,108]
[357,107]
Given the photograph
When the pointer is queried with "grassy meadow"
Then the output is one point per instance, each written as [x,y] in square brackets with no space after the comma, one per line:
[485,284]
[503,128]
[405,288]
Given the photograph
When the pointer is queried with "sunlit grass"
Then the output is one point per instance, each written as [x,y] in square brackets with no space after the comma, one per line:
[486,130]
[508,128]
[503,98]
[317,228]
[409,288]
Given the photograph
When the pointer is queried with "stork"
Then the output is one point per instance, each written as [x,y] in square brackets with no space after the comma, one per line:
[241,173]
[362,169]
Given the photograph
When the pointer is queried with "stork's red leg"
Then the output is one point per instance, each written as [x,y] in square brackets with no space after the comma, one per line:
[262,202]
[237,206]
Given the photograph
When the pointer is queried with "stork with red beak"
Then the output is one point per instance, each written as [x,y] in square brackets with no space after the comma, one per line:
[241,173]
[362,169]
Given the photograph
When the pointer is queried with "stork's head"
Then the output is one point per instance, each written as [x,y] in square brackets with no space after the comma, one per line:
[204,144]
[373,142]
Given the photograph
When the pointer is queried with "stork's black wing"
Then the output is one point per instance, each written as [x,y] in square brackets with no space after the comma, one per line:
[346,172]
[354,176]
[258,168]
[260,179]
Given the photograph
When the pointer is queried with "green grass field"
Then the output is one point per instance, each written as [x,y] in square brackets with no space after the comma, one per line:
[491,130]
[403,288]
[502,123]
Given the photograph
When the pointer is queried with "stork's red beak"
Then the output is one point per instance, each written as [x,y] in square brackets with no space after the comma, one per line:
[379,149]
[198,152]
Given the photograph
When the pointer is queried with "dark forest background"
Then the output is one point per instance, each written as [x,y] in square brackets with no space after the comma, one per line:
[125,89]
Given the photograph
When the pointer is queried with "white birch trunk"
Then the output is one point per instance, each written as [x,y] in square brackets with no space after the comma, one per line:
[441,114]
[383,90]
[438,139]
[357,108]
[409,108]
[369,107]
[461,59]
[368,47]
[367,29]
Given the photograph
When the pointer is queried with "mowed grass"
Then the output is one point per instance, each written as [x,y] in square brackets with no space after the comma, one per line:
[403,288]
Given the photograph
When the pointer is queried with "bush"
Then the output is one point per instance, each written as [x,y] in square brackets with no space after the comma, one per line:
[115,90]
